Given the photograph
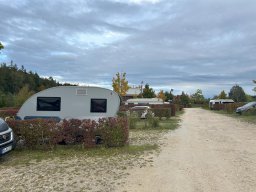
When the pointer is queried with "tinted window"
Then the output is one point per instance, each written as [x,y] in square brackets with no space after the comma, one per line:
[48,103]
[98,105]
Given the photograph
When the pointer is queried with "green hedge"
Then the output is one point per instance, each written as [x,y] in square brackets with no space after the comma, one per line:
[162,112]
[115,131]
[33,133]
[41,133]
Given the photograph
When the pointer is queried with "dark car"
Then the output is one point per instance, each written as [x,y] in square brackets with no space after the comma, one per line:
[6,138]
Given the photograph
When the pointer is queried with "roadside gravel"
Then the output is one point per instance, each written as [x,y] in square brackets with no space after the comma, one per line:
[79,173]
[208,153]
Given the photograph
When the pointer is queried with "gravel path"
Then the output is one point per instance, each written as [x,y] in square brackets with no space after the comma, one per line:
[78,173]
[209,152]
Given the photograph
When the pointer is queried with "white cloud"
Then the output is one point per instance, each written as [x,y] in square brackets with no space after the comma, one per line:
[145,1]
[139,1]
[90,40]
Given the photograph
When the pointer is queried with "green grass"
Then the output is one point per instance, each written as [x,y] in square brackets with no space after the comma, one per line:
[26,156]
[170,124]
[249,116]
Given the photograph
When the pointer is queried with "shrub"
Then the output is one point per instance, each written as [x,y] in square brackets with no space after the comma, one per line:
[11,112]
[122,114]
[133,119]
[90,133]
[173,110]
[164,112]
[115,131]
[42,133]
[68,132]
[153,121]
[33,133]
[229,107]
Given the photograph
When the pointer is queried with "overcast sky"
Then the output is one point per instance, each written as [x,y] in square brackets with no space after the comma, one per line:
[169,44]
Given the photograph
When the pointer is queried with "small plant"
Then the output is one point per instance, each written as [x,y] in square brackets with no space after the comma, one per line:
[152,121]
[133,119]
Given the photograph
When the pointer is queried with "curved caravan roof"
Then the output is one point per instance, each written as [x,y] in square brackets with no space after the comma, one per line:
[222,101]
[66,102]
[150,101]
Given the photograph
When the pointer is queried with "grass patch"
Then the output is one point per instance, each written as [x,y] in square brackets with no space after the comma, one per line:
[169,124]
[28,156]
[162,124]
[249,116]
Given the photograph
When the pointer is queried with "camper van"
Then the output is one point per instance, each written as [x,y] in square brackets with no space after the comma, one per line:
[67,102]
[219,101]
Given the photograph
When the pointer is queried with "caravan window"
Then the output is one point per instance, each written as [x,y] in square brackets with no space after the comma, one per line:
[98,105]
[48,103]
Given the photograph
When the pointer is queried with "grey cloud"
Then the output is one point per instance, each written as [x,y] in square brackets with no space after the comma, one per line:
[197,43]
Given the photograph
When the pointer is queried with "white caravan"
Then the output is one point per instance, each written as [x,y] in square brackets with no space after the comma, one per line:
[145,101]
[66,102]
[219,101]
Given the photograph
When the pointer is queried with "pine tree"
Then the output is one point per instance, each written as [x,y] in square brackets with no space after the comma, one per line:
[148,92]
[222,95]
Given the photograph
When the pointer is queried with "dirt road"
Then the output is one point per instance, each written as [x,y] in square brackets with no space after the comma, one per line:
[209,152]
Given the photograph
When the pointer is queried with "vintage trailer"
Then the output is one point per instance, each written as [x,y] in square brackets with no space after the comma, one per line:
[219,101]
[67,102]
[145,101]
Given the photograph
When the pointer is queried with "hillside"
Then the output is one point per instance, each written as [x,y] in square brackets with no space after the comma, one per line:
[16,84]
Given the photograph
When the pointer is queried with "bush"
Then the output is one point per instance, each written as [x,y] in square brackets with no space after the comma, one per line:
[149,122]
[153,121]
[90,133]
[115,131]
[122,114]
[164,112]
[33,133]
[68,132]
[133,119]
[228,107]
[42,133]
[11,112]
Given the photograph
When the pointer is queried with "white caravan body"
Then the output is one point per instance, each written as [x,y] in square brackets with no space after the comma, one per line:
[67,102]
[145,101]
[219,101]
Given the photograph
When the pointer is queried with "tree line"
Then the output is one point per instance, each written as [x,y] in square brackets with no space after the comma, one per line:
[120,85]
[17,84]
